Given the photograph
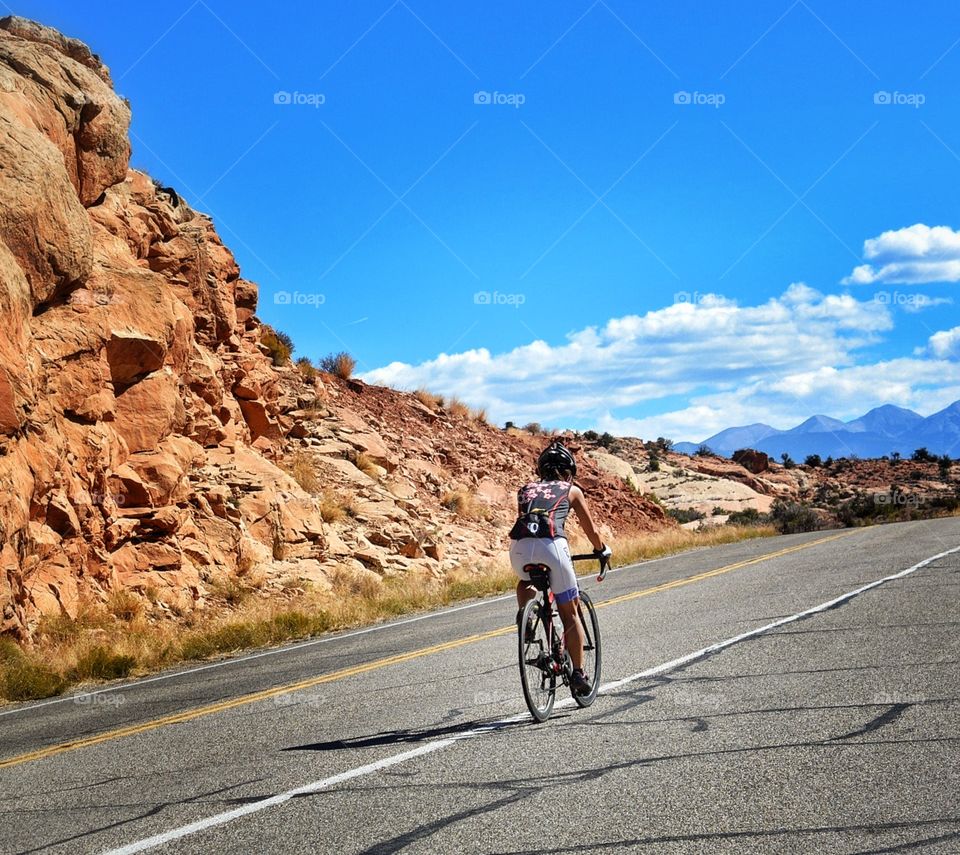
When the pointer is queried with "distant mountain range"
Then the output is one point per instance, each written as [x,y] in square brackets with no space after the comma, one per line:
[881,431]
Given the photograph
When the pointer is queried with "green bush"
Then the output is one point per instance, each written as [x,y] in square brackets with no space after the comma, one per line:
[748,516]
[339,364]
[792,517]
[279,345]
[685,515]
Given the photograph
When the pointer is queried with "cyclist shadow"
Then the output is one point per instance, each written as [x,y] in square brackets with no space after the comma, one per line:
[412,735]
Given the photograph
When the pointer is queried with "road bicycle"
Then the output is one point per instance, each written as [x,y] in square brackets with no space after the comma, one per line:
[544,658]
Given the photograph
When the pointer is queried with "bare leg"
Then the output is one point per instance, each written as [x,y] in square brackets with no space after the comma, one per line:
[525,592]
[572,631]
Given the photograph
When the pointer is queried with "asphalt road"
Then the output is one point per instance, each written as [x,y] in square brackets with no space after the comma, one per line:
[825,731]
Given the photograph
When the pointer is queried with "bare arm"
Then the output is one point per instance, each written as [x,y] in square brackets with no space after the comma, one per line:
[579,504]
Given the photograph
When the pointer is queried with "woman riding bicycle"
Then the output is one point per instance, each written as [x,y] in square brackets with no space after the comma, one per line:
[539,539]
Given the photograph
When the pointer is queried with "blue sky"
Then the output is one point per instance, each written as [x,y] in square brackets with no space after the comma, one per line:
[655,221]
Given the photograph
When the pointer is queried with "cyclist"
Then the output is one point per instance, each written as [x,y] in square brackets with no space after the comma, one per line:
[538,538]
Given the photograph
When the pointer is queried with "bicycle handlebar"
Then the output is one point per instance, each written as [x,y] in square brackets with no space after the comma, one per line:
[593,556]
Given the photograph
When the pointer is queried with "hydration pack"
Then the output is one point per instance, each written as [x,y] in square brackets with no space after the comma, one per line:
[542,510]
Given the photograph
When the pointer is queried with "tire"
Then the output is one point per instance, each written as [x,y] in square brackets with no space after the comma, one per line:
[539,684]
[592,660]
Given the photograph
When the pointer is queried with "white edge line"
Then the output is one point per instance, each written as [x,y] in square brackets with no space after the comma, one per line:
[292,648]
[430,747]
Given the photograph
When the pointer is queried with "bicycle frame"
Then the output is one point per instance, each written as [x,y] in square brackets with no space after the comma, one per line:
[560,664]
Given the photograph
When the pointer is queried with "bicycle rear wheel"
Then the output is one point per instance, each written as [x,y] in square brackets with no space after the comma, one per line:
[536,676]
[591,649]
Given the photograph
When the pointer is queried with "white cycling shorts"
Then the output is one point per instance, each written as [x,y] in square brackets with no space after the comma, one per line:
[553,553]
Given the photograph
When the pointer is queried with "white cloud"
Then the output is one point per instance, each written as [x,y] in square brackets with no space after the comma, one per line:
[712,343]
[914,255]
[924,385]
[918,302]
[945,344]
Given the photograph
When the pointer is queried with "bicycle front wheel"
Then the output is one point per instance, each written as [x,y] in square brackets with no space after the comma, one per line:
[536,674]
[591,649]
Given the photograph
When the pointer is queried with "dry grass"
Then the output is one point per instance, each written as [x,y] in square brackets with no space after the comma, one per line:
[428,399]
[336,506]
[99,645]
[458,409]
[303,469]
[363,462]
[465,504]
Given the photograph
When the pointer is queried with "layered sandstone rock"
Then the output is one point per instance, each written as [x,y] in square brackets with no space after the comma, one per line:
[146,435]
[123,346]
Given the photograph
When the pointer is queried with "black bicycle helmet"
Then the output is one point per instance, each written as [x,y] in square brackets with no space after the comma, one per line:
[556,459]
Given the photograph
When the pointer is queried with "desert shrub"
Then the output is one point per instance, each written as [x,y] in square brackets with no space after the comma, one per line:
[748,516]
[922,455]
[792,517]
[664,443]
[101,663]
[788,461]
[685,515]
[22,678]
[306,369]
[704,451]
[717,511]
[653,462]
[943,466]
[813,460]
[607,440]
[339,364]
[279,345]
[534,428]
[591,435]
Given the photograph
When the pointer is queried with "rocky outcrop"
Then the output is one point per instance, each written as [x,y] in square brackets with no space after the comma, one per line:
[127,332]
[147,441]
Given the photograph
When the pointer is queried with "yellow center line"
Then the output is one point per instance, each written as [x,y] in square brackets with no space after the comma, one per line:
[254,697]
